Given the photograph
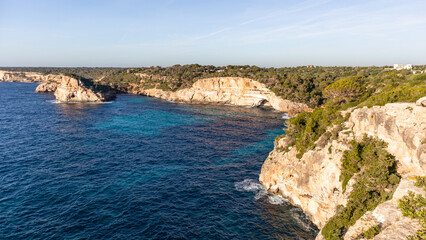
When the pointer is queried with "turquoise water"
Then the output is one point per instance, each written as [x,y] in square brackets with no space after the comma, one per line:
[137,168]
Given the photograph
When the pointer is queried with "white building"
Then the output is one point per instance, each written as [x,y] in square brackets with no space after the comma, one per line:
[400,66]
[408,66]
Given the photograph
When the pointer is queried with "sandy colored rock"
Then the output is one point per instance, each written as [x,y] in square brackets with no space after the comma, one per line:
[47,87]
[402,126]
[12,76]
[387,215]
[229,90]
[312,182]
[73,90]
[421,102]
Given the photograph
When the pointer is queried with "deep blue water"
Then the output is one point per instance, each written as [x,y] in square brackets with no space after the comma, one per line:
[137,168]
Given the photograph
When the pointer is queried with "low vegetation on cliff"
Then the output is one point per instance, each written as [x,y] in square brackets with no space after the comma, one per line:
[354,91]
[311,85]
[90,84]
[374,170]
[414,206]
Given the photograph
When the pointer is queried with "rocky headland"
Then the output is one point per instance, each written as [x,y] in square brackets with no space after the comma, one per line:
[65,88]
[312,182]
[220,90]
[71,89]
[228,90]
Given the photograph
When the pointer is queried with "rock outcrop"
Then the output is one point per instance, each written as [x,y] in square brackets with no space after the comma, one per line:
[12,76]
[74,90]
[393,224]
[312,182]
[229,90]
[47,87]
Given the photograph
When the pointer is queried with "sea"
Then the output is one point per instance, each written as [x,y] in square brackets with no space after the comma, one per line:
[137,168]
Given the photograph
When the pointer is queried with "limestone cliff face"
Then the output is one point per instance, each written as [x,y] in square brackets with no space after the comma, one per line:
[229,90]
[73,90]
[312,182]
[47,87]
[11,76]
[393,224]
[402,126]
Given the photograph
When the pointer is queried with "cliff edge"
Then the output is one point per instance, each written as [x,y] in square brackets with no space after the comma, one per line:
[313,184]
[75,90]
[228,90]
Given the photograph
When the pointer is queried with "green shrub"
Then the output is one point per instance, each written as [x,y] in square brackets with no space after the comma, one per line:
[414,206]
[421,182]
[420,77]
[376,178]
[307,127]
[372,232]
[396,93]
[344,90]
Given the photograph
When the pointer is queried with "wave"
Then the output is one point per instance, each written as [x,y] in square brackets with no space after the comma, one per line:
[277,200]
[251,185]
[286,116]
[58,102]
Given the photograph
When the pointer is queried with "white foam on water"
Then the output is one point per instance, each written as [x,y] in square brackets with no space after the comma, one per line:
[57,102]
[277,200]
[250,185]
[53,101]
[285,116]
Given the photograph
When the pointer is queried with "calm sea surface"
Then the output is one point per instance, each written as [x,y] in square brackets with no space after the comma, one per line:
[137,168]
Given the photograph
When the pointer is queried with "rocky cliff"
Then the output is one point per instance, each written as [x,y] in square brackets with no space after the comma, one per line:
[312,182]
[229,90]
[74,90]
[11,76]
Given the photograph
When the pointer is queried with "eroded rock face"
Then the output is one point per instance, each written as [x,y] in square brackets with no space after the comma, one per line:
[47,87]
[402,126]
[421,102]
[229,90]
[11,76]
[393,224]
[73,90]
[312,182]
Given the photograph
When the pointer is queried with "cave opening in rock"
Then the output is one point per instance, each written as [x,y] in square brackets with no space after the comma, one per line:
[264,104]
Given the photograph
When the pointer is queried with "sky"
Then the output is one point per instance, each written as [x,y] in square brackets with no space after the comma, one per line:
[268,33]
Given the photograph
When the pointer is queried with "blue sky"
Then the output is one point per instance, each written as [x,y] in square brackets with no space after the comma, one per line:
[270,33]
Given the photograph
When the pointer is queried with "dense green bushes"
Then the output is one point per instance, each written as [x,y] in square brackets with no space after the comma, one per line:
[396,93]
[374,170]
[300,84]
[345,89]
[307,127]
[372,232]
[414,206]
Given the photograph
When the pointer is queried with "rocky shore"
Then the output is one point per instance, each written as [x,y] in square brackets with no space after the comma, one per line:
[74,90]
[65,88]
[221,90]
[228,90]
[313,184]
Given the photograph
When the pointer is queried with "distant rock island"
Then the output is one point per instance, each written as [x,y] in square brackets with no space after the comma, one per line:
[65,88]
